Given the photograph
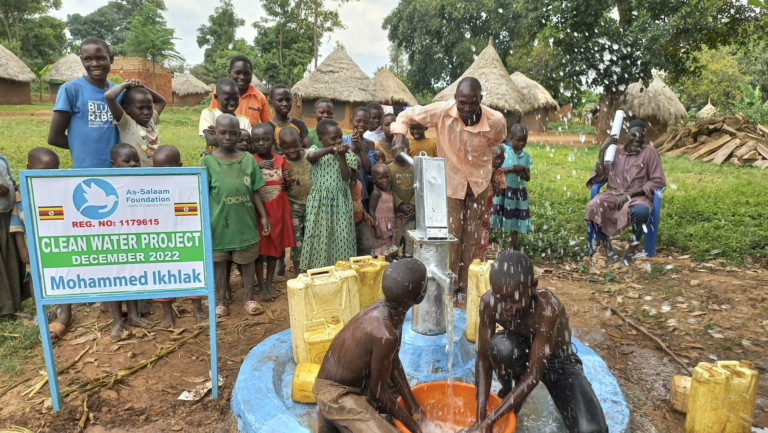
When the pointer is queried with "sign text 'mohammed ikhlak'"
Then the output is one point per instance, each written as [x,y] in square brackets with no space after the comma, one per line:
[114,234]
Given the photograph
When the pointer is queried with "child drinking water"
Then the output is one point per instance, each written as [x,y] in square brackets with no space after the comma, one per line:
[137,117]
[228,97]
[281,100]
[124,155]
[274,169]
[299,186]
[383,211]
[169,156]
[510,210]
[330,230]
[234,180]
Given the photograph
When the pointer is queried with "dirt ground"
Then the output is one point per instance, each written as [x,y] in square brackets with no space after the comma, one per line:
[701,311]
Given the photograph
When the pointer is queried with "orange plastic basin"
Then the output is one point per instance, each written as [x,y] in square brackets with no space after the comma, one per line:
[433,399]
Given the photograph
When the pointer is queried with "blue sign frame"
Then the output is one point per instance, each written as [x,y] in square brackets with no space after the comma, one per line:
[42,302]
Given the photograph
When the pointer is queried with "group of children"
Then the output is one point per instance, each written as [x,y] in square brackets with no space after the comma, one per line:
[325,195]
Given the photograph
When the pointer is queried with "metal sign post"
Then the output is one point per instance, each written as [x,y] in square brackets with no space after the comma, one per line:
[117,235]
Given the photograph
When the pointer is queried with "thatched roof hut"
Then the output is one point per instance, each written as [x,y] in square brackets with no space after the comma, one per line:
[397,93]
[499,91]
[15,77]
[708,111]
[339,79]
[542,101]
[66,69]
[188,91]
[255,82]
[657,105]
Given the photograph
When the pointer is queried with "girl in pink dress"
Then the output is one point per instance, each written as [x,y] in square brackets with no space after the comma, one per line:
[382,208]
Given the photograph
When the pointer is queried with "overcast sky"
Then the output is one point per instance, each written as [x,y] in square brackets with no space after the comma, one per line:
[364,39]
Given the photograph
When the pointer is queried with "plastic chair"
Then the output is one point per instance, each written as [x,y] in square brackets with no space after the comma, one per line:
[649,244]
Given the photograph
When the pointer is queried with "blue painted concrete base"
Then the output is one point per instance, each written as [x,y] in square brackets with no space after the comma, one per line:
[261,399]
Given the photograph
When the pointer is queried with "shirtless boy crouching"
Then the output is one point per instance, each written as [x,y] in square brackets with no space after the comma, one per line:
[364,357]
[534,346]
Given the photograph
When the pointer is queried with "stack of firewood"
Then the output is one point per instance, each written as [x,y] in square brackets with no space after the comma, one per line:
[718,139]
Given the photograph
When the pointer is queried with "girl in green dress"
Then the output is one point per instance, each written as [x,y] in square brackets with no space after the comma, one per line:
[510,208]
[330,230]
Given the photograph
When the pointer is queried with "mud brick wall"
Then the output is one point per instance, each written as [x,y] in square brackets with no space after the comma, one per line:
[136,67]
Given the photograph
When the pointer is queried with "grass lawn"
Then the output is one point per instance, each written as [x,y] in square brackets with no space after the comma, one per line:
[706,207]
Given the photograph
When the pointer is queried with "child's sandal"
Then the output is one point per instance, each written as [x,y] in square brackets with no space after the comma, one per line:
[222,311]
[254,308]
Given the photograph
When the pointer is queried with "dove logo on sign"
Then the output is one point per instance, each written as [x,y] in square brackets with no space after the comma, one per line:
[95,199]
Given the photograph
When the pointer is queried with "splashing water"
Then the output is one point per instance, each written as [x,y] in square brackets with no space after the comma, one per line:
[448,301]
[428,426]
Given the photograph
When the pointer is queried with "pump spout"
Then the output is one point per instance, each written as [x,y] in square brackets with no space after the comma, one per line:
[429,316]
[443,278]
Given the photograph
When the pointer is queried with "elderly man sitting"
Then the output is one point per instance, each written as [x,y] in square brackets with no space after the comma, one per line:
[632,178]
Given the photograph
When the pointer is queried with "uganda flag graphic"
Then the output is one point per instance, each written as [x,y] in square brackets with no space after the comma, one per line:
[185,209]
[48,213]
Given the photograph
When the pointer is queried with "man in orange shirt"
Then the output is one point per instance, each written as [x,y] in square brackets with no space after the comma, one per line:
[253,104]
[466,131]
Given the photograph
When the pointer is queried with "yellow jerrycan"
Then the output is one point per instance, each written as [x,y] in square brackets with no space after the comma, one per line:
[740,401]
[479,283]
[303,381]
[722,398]
[318,334]
[324,293]
[369,273]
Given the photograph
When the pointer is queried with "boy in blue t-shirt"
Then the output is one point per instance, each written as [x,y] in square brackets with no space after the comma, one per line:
[83,124]
[81,120]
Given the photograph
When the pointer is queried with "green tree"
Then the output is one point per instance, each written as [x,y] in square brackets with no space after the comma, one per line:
[718,81]
[43,41]
[322,21]
[201,73]
[607,44]
[15,13]
[442,37]
[218,35]
[109,22]
[283,43]
[151,38]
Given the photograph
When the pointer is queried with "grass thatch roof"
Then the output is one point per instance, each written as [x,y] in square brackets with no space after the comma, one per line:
[66,69]
[708,111]
[657,101]
[12,68]
[187,84]
[499,91]
[536,94]
[255,82]
[339,78]
[397,93]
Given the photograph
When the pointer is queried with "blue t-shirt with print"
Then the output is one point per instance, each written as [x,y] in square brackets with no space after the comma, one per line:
[91,132]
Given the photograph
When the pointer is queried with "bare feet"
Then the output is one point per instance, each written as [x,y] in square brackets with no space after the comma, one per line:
[272,291]
[139,322]
[145,307]
[197,310]
[134,319]
[264,294]
[117,330]
[169,321]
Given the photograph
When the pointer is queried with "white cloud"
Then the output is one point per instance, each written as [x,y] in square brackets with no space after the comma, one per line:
[363,38]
